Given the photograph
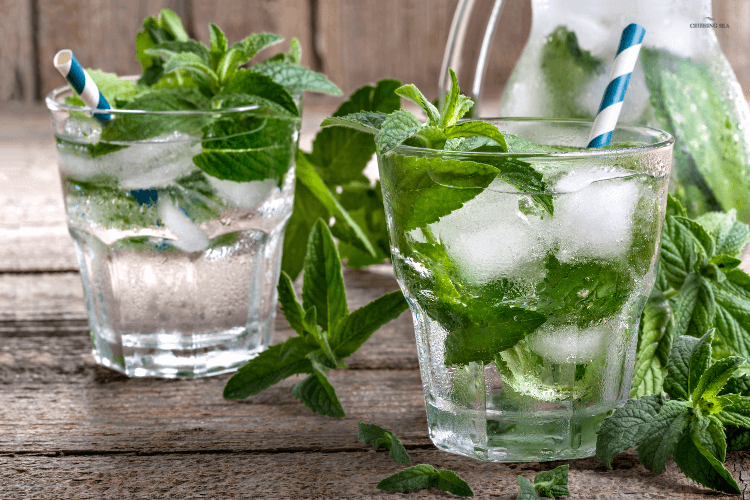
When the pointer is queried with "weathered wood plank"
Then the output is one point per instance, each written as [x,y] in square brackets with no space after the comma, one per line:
[736,39]
[17,79]
[239,18]
[101,33]
[315,475]
[361,41]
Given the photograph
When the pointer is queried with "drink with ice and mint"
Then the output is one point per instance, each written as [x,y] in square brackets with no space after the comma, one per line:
[526,272]
[179,260]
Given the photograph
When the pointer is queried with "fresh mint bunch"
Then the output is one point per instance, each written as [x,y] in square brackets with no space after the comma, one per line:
[552,484]
[441,131]
[326,331]
[330,184]
[423,476]
[379,437]
[690,425]
[698,287]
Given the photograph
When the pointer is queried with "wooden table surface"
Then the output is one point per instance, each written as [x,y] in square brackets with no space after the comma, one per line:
[71,429]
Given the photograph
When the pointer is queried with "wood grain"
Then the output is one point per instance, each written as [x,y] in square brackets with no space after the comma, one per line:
[101,33]
[316,475]
[18,77]
[735,40]
[239,18]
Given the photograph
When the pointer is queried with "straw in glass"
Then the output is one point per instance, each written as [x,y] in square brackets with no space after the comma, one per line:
[619,77]
[69,67]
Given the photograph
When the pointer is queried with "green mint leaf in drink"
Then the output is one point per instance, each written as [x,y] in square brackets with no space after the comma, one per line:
[553,483]
[476,129]
[399,126]
[423,476]
[379,437]
[317,393]
[167,50]
[248,82]
[710,163]
[368,122]
[412,93]
[165,27]
[566,69]
[249,46]
[456,105]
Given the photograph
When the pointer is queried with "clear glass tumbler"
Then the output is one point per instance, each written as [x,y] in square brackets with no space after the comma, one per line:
[526,274]
[179,266]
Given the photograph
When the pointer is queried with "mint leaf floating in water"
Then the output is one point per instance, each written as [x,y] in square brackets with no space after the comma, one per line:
[424,476]
[379,437]
[689,426]
[326,331]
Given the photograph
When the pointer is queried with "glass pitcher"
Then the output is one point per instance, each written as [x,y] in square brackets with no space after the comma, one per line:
[682,82]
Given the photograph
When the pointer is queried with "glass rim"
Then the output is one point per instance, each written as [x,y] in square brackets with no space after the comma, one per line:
[665,139]
[53,104]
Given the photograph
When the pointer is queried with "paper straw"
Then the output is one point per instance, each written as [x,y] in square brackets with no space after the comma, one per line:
[69,67]
[619,77]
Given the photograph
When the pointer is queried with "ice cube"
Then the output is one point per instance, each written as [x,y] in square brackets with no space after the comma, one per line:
[569,344]
[594,217]
[246,195]
[489,237]
[190,237]
[148,165]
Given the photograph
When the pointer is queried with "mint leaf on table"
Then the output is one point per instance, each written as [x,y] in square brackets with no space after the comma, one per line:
[688,103]
[423,476]
[326,331]
[689,426]
[379,437]
[552,484]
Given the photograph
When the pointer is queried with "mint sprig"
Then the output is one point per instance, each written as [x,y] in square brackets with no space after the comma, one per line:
[699,286]
[326,331]
[379,437]
[425,476]
[552,484]
[688,426]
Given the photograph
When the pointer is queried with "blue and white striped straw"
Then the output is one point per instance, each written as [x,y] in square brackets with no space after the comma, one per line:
[69,67]
[619,77]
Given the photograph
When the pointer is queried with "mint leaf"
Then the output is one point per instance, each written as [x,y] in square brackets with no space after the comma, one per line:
[317,393]
[477,128]
[676,382]
[166,27]
[700,361]
[586,291]
[663,433]
[737,412]
[363,322]
[365,205]
[627,426]
[307,209]
[655,338]
[423,476]
[345,229]
[254,43]
[249,82]
[340,154]
[715,377]
[696,306]
[553,483]
[729,235]
[526,490]
[732,318]
[368,122]
[219,43]
[248,147]
[701,466]
[138,127]
[269,367]
[264,107]
[412,93]
[396,128]
[436,180]
[290,306]
[296,79]
[379,437]
[566,69]
[166,50]
[323,283]
[708,431]
[456,105]
[203,75]
[413,478]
